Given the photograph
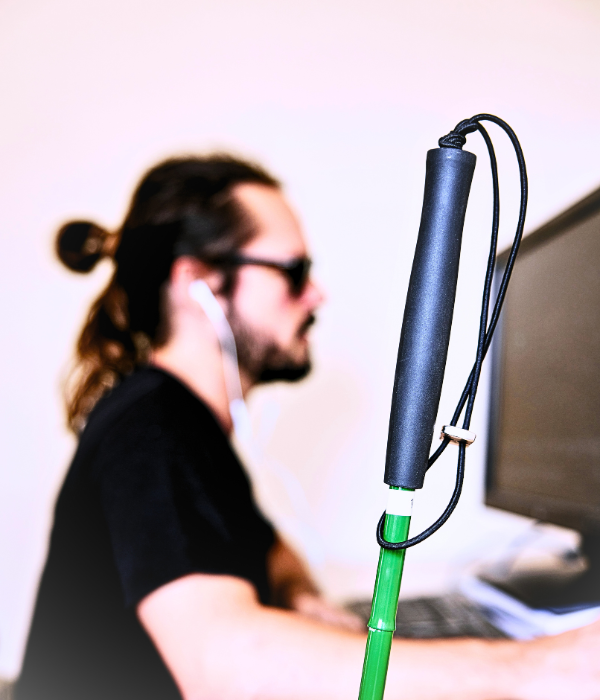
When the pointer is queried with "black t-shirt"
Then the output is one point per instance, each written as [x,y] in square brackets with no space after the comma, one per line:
[154,492]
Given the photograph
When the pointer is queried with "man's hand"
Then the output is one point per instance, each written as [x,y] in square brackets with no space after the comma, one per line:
[566,666]
[294,589]
[317,608]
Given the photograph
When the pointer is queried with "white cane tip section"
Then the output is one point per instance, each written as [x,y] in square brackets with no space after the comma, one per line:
[399,502]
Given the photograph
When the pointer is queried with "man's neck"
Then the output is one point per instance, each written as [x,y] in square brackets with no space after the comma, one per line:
[200,368]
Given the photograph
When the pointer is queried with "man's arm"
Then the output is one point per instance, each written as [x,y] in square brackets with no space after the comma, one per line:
[220,643]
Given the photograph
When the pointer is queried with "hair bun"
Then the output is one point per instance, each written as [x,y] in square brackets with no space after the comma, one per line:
[80,244]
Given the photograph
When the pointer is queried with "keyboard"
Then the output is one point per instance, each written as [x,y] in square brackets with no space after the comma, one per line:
[438,617]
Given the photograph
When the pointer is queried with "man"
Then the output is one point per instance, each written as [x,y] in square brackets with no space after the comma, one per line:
[215,637]
[205,606]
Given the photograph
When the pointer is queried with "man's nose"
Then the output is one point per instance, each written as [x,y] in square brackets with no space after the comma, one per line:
[314,294]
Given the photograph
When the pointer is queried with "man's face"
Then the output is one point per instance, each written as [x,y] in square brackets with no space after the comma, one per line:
[270,322]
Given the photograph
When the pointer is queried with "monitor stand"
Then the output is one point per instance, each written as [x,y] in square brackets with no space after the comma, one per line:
[557,590]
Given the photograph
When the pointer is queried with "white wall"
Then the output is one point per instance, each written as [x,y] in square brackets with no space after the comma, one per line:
[341,99]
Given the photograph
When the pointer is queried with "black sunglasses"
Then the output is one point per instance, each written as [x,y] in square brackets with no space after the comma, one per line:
[296,270]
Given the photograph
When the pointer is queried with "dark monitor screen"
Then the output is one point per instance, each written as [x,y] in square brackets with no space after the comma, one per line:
[544,438]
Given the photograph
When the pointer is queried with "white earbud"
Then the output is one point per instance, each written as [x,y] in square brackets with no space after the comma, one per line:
[200,292]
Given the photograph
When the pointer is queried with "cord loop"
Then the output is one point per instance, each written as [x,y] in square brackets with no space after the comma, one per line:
[456,138]
[452,140]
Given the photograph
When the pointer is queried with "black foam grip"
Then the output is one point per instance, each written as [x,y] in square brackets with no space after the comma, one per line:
[428,316]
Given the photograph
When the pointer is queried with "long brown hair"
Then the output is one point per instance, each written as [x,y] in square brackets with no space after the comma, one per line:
[183,206]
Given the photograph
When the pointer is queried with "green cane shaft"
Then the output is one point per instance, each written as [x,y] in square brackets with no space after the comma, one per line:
[382,622]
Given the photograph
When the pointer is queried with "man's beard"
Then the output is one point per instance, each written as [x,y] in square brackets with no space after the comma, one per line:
[262,359]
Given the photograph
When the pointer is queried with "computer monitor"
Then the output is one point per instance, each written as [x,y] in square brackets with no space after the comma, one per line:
[544,437]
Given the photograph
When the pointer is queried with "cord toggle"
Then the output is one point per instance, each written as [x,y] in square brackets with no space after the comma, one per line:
[457,435]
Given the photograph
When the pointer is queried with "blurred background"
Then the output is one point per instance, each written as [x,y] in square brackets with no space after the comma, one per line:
[341,100]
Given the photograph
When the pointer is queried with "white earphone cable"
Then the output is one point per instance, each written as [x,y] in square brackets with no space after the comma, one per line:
[300,526]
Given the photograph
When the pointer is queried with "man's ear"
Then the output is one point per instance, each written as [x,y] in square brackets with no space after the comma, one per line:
[186,269]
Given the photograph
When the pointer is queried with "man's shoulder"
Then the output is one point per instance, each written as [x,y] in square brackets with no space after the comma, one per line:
[141,392]
[147,401]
